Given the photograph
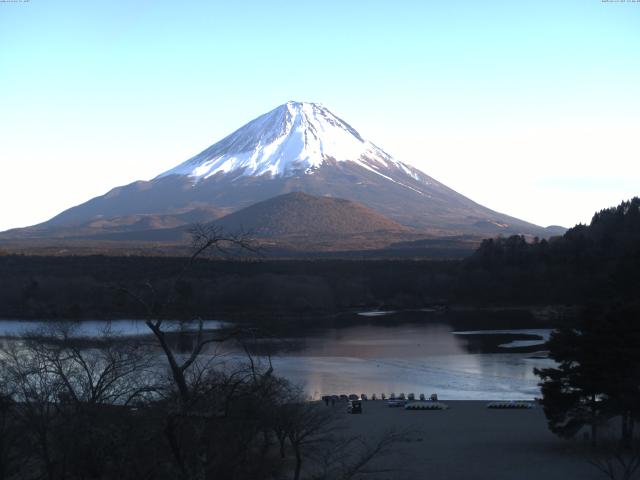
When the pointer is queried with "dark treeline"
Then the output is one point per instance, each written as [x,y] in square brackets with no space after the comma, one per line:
[596,379]
[90,287]
[595,262]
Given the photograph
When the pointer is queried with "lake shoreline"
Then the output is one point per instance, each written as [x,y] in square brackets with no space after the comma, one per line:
[533,315]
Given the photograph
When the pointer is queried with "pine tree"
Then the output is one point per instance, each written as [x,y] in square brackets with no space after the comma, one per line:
[598,373]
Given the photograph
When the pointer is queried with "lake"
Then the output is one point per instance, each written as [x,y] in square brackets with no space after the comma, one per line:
[377,352]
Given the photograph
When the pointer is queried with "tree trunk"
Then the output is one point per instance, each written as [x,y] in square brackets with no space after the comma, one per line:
[296,475]
[594,422]
[170,434]
[266,443]
[45,455]
[626,439]
[176,371]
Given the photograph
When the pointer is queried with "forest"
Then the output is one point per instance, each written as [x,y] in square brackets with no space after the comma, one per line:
[597,262]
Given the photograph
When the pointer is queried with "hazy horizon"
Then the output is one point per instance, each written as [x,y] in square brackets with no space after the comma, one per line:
[530,110]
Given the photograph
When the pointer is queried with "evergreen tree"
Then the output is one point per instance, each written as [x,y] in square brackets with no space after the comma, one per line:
[598,373]
[572,393]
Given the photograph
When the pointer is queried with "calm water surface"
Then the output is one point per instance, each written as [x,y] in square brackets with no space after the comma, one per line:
[424,358]
[416,357]
[93,328]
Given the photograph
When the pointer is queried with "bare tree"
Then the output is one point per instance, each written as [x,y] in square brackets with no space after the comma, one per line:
[354,457]
[37,393]
[72,397]
[11,436]
[620,465]
[315,434]
[616,460]
[204,239]
[103,370]
[225,415]
[309,428]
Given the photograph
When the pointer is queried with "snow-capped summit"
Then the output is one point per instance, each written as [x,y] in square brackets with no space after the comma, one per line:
[294,138]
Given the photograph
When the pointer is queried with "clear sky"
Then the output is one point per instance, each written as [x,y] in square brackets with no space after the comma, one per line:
[531,108]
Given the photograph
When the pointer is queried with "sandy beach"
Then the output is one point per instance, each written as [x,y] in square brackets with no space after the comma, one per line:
[470,441]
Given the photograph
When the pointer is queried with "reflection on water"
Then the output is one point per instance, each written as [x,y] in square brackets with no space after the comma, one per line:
[372,341]
[418,358]
[375,357]
[376,313]
[541,336]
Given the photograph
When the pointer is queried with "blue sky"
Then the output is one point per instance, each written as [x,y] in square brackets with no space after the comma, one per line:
[531,108]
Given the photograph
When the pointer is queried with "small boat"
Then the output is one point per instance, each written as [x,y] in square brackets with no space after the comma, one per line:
[511,404]
[426,406]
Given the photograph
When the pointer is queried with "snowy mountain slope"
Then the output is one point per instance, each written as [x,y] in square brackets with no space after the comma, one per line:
[293,138]
[297,147]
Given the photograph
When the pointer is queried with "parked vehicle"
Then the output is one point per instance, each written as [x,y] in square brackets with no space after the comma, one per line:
[402,397]
[411,397]
[344,397]
[374,397]
[422,397]
[353,396]
[363,396]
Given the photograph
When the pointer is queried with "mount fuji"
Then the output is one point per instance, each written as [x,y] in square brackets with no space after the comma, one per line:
[297,147]
[295,138]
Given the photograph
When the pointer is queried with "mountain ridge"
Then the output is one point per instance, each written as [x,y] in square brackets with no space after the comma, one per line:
[296,147]
[299,213]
